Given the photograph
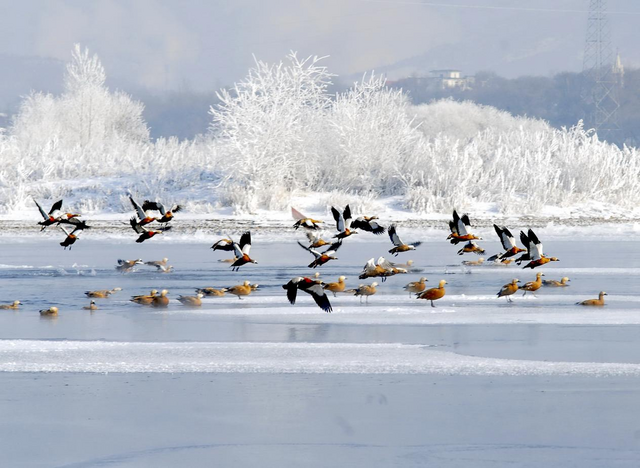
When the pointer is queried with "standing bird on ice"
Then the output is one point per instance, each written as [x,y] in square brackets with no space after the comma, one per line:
[71,238]
[243,289]
[52,217]
[416,286]
[343,221]
[336,287]
[508,244]
[304,221]
[509,289]
[460,229]
[144,232]
[535,252]
[143,217]
[312,287]
[594,302]
[471,247]
[242,252]
[397,242]
[532,286]
[365,290]
[368,224]
[167,215]
[324,257]
[433,294]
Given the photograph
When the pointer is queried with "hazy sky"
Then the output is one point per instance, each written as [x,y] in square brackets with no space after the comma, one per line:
[202,44]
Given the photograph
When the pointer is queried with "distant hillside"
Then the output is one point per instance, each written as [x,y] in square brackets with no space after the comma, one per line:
[555,99]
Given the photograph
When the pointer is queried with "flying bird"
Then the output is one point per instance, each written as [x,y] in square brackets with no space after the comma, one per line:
[460,227]
[157,263]
[322,257]
[71,238]
[304,221]
[143,217]
[471,247]
[223,244]
[167,215]
[382,269]
[508,244]
[343,220]
[144,232]
[368,224]
[242,252]
[52,217]
[315,240]
[125,266]
[399,246]
[535,252]
[310,286]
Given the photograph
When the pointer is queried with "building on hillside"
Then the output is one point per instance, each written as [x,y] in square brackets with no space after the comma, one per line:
[448,79]
[618,70]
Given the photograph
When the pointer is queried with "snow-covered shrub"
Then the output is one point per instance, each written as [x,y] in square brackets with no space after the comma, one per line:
[279,133]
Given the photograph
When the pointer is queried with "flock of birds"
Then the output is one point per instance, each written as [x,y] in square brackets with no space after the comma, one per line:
[139,222]
[460,226]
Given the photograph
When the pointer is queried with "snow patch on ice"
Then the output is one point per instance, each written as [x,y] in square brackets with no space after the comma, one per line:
[312,358]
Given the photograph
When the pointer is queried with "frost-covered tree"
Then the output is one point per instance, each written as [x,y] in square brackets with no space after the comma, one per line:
[372,138]
[267,125]
[86,115]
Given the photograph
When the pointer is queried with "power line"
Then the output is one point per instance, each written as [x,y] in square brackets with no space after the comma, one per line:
[491,7]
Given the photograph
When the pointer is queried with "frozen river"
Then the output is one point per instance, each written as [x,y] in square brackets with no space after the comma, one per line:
[474,382]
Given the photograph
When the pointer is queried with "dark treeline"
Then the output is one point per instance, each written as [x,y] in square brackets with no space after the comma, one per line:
[556,99]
